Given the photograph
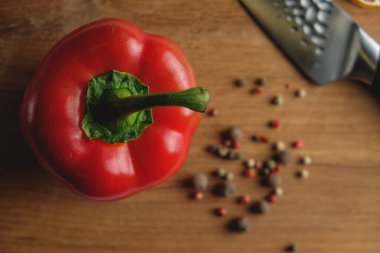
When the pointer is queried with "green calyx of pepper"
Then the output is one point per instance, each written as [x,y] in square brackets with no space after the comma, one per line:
[118,106]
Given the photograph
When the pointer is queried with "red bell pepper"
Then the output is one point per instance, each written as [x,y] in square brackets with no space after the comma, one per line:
[88,117]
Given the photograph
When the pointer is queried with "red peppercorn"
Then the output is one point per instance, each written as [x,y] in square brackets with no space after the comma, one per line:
[263,139]
[258,165]
[298,144]
[276,170]
[249,173]
[256,91]
[236,144]
[221,211]
[245,199]
[288,86]
[213,112]
[197,195]
[275,124]
[272,198]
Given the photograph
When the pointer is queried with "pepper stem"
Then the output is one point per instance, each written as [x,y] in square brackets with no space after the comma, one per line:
[120,103]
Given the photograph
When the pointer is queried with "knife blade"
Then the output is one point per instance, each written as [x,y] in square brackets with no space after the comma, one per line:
[319,38]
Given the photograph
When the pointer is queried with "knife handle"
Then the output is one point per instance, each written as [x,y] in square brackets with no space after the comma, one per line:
[376,81]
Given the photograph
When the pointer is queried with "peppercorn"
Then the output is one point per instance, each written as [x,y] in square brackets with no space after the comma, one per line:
[276,170]
[249,163]
[233,156]
[255,91]
[306,160]
[301,93]
[227,143]
[282,157]
[229,176]
[240,82]
[245,199]
[221,211]
[274,124]
[271,198]
[198,195]
[254,138]
[271,164]
[200,182]
[213,112]
[212,150]
[292,248]
[288,86]
[219,172]
[223,152]
[224,189]
[240,224]
[277,100]
[297,144]
[263,139]
[236,144]
[278,191]
[260,207]
[274,180]
[248,173]
[279,146]
[235,133]
[304,174]
[261,81]
[258,165]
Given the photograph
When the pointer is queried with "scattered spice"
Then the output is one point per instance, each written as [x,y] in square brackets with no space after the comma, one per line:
[261,81]
[274,124]
[235,133]
[288,86]
[276,170]
[292,248]
[223,152]
[304,174]
[277,100]
[271,164]
[200,182]
[220,173]
[224,189]
[274,180]
[227,143]
[198,195]
[229,176]
[245,199]
[271,198]
[278,191]
[212,150]
[249,163]
[260,207]
[255,91]
[221,211]
[301,93]
[236,144]
[279,146]
[254,138]
[282,157]
[306,160]
[233,155]
[263,139]
[240,82]
[248,173]
[258,165]
[213,112]
[298,144]
[240,224]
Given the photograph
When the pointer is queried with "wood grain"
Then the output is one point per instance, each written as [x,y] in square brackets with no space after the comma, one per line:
[336,210]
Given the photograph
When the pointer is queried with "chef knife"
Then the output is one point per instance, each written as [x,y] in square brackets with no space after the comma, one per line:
[319,38]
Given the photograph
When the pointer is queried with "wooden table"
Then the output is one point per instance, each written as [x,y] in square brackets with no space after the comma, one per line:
[336,210]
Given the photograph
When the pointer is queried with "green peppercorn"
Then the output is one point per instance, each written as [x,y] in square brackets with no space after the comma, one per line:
[261,81]
[277,100]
